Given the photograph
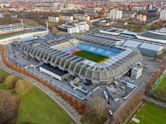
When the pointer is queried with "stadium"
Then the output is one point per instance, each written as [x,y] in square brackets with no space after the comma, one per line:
[91,58]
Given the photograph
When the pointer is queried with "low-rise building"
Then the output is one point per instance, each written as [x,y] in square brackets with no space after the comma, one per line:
[54,72]
[141,17]
[69,28]
[163,15]
[136,72]
[83,26]
[66,18]
[53,19]
[1,15]
[82,17]
[128,14]
[150,49]
[115,14]
[74,28]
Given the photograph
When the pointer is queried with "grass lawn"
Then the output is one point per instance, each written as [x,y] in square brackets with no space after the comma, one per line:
[160,88]
[91,56]
[37,108]
[3,73]
[150,113]
[2,87]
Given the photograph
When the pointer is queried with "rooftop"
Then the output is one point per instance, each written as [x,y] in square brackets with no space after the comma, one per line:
[153,35]
[151,47]
[55,70]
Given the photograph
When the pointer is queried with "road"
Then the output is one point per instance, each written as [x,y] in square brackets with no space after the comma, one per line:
[157,102]
[58,99]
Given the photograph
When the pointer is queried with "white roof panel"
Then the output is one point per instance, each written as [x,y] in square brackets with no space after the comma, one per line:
[151,47]
[132,43]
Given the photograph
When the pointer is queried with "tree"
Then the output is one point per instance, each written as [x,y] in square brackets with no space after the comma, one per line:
[97,113]
[9,106]
[10,81]
[99,106]
[22,87]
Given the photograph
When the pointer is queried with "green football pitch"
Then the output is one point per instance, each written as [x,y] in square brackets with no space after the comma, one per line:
[91,56]
[150,113]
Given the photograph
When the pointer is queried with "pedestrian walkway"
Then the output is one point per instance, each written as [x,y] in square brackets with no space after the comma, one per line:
[58,99]
[157,102]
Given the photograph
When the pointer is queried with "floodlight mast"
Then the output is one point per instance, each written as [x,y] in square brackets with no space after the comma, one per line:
[22,23]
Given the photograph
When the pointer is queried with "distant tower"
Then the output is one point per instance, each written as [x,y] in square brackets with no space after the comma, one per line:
[22,23]
[47,25]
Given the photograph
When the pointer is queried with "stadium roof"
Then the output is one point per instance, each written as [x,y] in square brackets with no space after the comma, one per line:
[113,31]
[104,72]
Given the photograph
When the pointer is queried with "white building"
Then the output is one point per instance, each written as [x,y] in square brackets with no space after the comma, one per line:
[82,17]
[69,28]
[66,18]
[1,15]
[142,17]
[4,5]
[136,72]
[83,26]
[163,15]
[115,14]
[53,19]
[74,28]
[64,6]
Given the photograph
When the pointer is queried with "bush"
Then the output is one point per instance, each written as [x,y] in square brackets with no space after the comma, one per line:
[10,81]
[22,87]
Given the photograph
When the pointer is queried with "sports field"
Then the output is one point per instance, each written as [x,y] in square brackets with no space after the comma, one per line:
[8,35]
[160,88]
[91,56]
[150,113]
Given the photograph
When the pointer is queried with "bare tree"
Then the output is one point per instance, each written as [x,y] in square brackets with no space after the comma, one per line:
[97,111]
[99,106]
[9,106]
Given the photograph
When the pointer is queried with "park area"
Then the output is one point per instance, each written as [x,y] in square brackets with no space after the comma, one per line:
[149,113]
[91,56]
[35,106]
[159,89]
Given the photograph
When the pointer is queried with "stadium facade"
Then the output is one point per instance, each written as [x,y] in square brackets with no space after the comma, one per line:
[62,55]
